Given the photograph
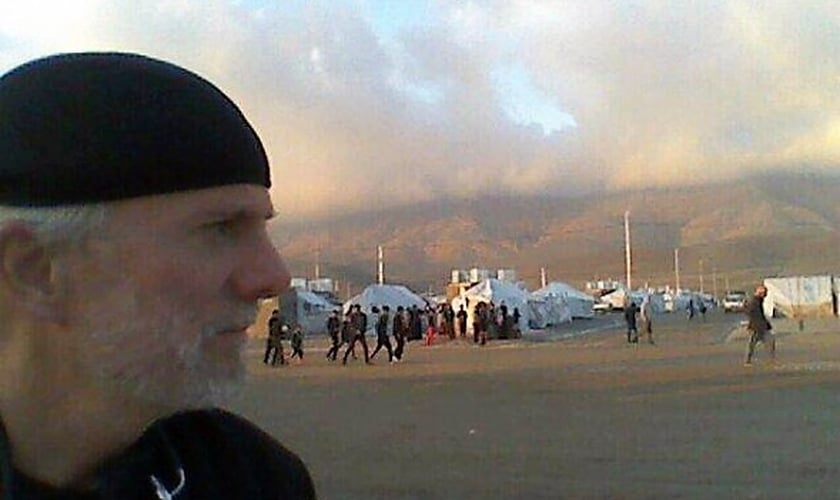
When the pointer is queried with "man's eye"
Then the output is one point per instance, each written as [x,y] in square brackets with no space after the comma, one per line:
[223,227]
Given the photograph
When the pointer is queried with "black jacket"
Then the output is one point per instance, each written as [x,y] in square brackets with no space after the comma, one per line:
[222,456]
[754,309]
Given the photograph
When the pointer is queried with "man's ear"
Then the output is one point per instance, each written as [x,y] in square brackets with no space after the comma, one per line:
[26,270]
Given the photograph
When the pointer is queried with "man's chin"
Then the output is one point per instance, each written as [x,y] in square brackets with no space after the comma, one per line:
[195,391]
[217,389]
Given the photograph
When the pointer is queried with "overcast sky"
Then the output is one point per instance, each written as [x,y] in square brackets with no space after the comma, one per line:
[365,103]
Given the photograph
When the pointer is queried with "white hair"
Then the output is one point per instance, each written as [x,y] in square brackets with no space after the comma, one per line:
[69,224]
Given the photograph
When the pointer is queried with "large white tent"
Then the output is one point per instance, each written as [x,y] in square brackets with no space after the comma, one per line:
[391,295]
[552,310]
[800,296]
[307,309]
[500,292]
[579,303]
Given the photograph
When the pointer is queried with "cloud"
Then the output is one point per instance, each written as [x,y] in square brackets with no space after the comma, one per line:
[358,113]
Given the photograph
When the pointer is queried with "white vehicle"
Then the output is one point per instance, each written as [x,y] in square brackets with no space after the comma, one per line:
[601,307]
[734,302]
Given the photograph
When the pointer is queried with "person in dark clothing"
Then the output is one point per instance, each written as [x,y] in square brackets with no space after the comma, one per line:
[333,329]
[689,309]
[449,318]
[461,317]
[630,311]
[477,313]
[482,312]
[758,325]
[358,323]
[297,343]
[504,322]
[273,344]
[192,455]
[516,328]
[491,324]
[347,333]
[415,323]
[133,209]
[399,330]
[382,339]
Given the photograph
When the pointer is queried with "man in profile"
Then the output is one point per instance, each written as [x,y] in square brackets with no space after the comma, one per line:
[758,326]
[133,252]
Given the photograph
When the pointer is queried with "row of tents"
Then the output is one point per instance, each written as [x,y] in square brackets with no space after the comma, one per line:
[661,301]
[558,303]
[554,304]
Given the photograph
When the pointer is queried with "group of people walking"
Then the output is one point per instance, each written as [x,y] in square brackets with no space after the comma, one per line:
[392,329]
[350,330]
[278,330]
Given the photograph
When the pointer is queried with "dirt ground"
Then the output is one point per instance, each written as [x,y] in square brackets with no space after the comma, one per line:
[586,417]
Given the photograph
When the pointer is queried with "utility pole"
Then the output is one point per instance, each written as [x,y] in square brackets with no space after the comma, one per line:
[543,282]
[318,263]
[627,248]
[701,275]
[380,275]
[677,268]
[714,282]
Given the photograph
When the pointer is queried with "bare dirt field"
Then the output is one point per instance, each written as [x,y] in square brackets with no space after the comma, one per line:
[585,417]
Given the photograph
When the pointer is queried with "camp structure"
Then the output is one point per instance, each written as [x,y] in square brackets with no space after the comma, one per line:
[800,297]
[392,296]
[500,292]
[659,303]
[579,303]
[308,309]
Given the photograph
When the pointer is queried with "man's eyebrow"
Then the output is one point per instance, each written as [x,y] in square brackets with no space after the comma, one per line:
[241,213]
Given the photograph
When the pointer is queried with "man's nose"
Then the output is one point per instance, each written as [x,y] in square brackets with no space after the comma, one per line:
[261,272]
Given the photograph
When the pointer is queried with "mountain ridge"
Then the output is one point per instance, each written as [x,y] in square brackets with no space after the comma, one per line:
[733,233]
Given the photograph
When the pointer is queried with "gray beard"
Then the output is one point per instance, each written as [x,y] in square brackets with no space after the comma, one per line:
[154,362]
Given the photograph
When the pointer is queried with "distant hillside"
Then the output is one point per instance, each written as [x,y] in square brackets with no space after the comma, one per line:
[740,232]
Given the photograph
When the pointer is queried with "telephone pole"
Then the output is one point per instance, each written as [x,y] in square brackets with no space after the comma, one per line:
[677,268]
[380,275]
[701,275]
[627,248]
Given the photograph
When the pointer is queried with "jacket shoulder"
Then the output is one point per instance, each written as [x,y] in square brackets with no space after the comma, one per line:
[237,456]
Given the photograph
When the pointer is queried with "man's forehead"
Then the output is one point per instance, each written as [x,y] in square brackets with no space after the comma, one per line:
[222,201]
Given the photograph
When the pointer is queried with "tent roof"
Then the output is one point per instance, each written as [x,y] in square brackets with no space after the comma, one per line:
[563,289]
[498,290]
[391,295]
[314,298]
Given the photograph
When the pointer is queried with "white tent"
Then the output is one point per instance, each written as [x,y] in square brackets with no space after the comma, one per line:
[308,309]
[554,310]
[579,303]
[800,296]
[500,292]
[391,295]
